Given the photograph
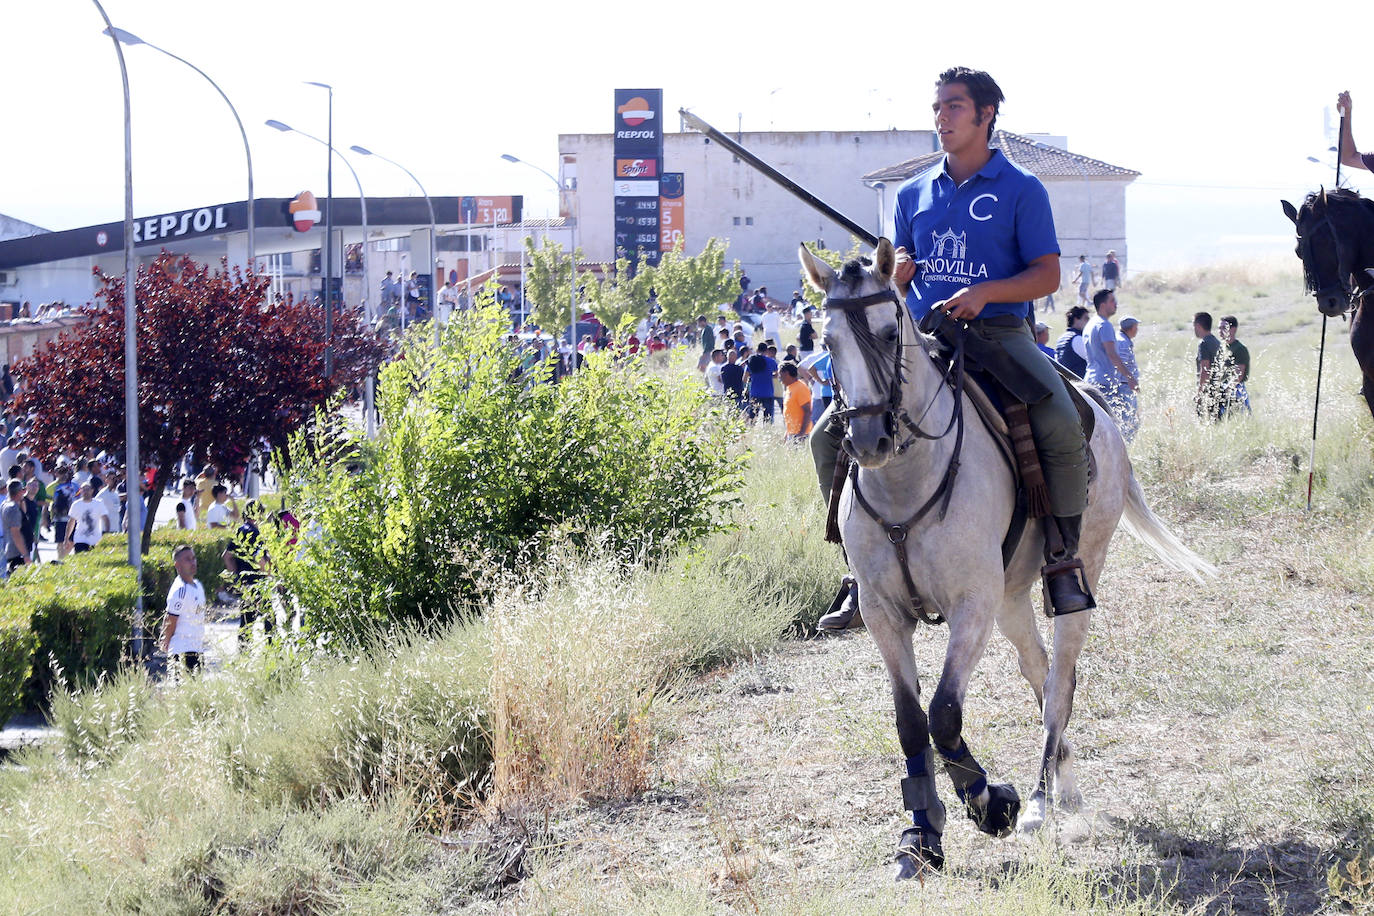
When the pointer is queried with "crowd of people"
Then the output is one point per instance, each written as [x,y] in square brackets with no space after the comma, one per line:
[759,380]
[744,365]
[26,312]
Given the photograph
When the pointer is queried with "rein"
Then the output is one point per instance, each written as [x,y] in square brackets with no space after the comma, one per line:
[893,411]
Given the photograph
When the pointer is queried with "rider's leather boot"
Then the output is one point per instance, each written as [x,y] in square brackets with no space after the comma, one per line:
[844,610]
[1066,586]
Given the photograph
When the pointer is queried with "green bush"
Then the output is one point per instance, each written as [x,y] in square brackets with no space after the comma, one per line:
[17,644]
[478,467]
[79,613]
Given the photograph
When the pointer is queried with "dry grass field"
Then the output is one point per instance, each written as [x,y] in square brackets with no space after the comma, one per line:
[652,746]
[1225,731]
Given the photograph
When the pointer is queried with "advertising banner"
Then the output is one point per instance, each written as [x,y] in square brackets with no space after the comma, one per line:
[637,228]
[637,165]
[671,211]
[639,123]
[636,168]
[480,210]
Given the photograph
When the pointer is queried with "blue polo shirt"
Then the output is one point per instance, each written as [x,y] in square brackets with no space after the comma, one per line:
[989,228]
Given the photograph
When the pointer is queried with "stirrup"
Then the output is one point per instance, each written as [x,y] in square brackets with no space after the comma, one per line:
[1065,586]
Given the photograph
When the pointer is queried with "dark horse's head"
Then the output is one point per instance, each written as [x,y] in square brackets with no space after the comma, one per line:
[1333,229]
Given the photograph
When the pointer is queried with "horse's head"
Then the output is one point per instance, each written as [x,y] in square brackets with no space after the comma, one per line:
[865,323]
[1328,246]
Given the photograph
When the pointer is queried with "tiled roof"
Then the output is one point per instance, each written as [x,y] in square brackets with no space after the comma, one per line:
[1040,159]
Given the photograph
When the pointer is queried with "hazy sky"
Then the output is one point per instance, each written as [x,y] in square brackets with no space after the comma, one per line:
[1218,107]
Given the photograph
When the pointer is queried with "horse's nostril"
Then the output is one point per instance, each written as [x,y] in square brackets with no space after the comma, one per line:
[884,445]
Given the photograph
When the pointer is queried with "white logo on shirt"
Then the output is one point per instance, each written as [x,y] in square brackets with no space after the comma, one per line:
[948,240]
[974,202]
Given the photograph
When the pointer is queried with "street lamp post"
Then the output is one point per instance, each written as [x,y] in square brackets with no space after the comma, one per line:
[433,255]
[328,236]
[130,39]
[133,476]
[368,388]
[881,188]
[572,295]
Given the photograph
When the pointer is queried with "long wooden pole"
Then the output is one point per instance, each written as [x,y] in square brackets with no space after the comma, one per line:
[768,171]
[1321,352]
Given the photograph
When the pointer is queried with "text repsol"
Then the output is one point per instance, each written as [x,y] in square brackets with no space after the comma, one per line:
[175,224]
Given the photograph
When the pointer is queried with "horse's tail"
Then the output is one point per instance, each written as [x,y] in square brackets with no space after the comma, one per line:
[1146,527]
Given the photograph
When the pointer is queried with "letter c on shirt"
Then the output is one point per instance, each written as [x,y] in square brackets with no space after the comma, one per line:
[973,203]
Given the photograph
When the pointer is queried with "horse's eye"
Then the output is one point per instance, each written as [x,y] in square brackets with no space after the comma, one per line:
[890,336]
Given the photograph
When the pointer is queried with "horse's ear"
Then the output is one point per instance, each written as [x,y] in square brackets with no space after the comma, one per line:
[885,259]
[1323,196]
[819,273]
[1289,211]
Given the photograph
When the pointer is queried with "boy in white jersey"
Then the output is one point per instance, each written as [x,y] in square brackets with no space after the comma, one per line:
[183,632]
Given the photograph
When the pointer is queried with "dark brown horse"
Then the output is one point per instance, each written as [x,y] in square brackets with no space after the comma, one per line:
[1336,246]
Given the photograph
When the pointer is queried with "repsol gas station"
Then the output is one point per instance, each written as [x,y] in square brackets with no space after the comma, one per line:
[289,240]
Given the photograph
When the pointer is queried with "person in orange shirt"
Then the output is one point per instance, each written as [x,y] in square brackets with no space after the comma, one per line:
[796,408]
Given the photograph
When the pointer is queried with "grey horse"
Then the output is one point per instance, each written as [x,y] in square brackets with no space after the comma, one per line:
[947,561]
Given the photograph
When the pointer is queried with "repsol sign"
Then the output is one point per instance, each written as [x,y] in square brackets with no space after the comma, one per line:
[638,124]
[176,225]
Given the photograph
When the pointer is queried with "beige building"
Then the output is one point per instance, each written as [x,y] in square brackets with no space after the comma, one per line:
[1088,196]
[853,171]
[727,199]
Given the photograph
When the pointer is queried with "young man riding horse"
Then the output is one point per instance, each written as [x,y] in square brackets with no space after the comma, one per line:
[983,230]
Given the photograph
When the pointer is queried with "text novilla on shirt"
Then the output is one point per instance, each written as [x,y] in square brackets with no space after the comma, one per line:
[946,268]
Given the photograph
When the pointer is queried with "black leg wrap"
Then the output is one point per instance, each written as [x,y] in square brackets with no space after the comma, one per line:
[968,776]
[919,797]
[919,848]
[998,816]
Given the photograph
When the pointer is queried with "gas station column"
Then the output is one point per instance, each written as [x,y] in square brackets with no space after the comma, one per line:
[422,262]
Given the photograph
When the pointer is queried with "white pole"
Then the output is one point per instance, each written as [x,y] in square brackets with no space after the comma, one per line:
[133,475]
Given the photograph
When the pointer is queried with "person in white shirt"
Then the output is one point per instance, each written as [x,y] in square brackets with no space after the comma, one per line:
[9,455]
[186,507]
[109,495]
[82,474]
[448,301]
[771,322]
[221,513]
[713,380]
[183,632]
[88,521]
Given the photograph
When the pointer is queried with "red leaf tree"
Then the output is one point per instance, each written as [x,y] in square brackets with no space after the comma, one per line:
[220,366]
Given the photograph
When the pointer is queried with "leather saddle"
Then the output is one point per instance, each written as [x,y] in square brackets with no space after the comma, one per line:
[992,380]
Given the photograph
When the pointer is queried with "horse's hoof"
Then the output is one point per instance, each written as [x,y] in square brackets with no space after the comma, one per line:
[1071,802]
[918,853]
[998,817]
[1035,814]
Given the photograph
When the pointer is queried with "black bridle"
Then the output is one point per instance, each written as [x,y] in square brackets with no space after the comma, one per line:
[1354,292]
[893,412]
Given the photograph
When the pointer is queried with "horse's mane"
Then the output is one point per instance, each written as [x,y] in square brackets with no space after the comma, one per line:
[852,274]
[1338,196]
[853,271]
[1337,193]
